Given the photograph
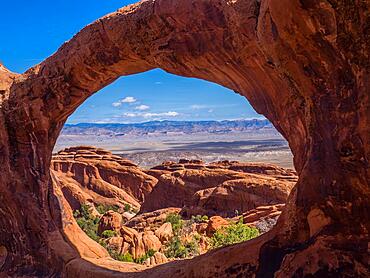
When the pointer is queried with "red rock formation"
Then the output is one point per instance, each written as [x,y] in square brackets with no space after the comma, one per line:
[110,221]
[303,64]
[213,190]
[215,223]
[90,174]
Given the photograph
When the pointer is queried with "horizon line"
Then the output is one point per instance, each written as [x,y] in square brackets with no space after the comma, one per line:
[128,123]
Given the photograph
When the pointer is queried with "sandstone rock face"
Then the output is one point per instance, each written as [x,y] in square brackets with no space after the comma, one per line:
[302,64]
[104,176]
[164,232]
[110,221]
[154,219]
[215,223]
[158,258]
[138,244]
[263,217]
[215,189]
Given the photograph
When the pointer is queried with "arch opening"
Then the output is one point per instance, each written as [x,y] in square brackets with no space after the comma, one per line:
[210,184]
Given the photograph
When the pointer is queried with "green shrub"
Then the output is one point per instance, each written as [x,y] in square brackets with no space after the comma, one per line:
[233,233]
[108,233]
[104,208]
[175,248]
[127,208]
[176,222]
[143,258]
[87,222]
[124,258]
[199,218]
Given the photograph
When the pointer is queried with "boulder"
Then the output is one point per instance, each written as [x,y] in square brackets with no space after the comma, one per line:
[138,244]
[215,223]
[111,220]
[164,232]
[157,258]
[151,241]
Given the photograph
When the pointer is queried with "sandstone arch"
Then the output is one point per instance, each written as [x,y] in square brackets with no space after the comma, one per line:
[304,64]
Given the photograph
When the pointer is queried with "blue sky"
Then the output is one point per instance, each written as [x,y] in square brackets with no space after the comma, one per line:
[33,30]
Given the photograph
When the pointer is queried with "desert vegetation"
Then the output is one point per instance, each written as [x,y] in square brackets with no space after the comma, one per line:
[186,238]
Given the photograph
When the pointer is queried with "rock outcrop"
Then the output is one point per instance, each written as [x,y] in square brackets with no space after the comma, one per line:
[138,243]
[111,221]
[164,232]
[218,190]
[215,223]
[302,64]
[90,174]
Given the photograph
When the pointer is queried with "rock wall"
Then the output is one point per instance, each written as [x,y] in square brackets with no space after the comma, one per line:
[304,64]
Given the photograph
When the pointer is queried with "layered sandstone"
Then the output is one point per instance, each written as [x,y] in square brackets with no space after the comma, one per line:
[302,64]
[90,174]
[216,189]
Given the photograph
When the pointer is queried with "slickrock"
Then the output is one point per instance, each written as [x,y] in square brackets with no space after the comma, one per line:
[303,64]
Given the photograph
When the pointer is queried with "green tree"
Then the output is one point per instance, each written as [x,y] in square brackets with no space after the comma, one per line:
[87,222]
[108,233]
[176,222]
[233,233]
[175,248]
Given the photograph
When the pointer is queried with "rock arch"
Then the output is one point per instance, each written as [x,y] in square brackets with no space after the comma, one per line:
[304,64]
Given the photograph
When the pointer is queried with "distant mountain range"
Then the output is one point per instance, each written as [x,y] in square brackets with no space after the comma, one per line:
[166,127]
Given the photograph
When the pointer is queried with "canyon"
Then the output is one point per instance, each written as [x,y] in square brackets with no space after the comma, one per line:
[303,64]
[131,206]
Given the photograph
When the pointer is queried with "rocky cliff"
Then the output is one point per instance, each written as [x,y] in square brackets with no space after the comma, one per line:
[303,64]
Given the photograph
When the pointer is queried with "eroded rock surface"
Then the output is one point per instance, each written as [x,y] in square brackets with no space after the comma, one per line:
[217,189]
[302,64]
[96,175]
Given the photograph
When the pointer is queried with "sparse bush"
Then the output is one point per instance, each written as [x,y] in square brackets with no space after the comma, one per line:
[108,233]
[104,208]
[87,222]
[199,218]
[175,248]
[127,257]
[176,222]
[143,258]
[127,208]
[233,233]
